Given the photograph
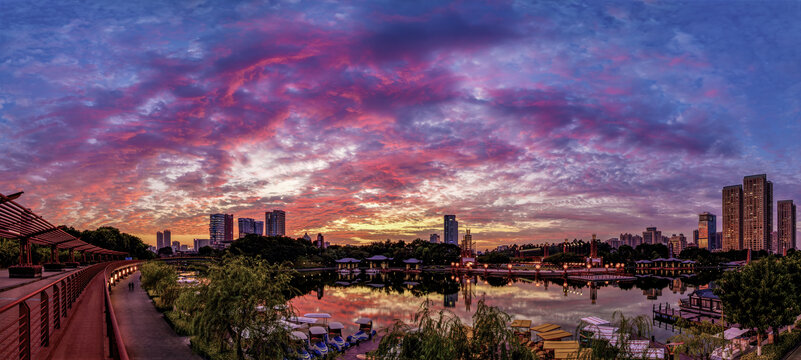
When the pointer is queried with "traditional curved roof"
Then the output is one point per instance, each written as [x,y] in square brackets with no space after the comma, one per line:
[347,260]
[412,261]
[17,222]
[378,258]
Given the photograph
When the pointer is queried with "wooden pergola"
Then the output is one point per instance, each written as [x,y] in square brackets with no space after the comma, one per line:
[18,222]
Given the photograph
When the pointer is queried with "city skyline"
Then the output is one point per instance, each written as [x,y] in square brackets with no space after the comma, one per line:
[372,120]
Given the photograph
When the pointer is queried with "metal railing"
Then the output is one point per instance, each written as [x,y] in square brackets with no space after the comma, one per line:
[28,323]
[114,273]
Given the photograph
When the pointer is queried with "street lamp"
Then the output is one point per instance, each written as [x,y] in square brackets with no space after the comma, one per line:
[565,267]
[485,268]
[588,268]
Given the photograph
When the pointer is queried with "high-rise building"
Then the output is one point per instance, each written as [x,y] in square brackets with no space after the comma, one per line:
[695,238]
[434,238]
[707,228]
[677,243]
[201,243]
[276,222]
[176,246]
[159,240]
[246,226]
[451,233]
[757,212]
[259,227]
[719,241]
[167,237]
[320,242]
[306,237]
[786,232]
[221,229]
[467,245]
[733,217]
[651,236]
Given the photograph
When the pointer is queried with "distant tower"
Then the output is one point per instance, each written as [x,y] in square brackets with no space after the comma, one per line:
[246,226]
[733,217]
[467,245]
[320,241]
[707,228]
[159,240]
[594,247]
[167,237]
[258,227]
[757,212]
[276,222]
[451,234]
[221,229]
[307,237]
[434,238]
[786,232]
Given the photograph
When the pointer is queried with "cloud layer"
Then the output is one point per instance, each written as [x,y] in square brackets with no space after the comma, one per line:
[370,120]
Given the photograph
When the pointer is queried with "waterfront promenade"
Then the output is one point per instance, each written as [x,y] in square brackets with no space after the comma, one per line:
[147,335]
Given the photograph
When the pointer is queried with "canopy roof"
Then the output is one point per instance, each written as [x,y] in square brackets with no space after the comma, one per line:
[378,258]
[316,330]
[18,222]
[336,325]
[348,260]
[412,261]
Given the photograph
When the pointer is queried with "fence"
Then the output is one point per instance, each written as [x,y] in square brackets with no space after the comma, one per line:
[27,324]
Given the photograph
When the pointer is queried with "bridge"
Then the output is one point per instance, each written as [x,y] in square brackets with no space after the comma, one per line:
[75,309]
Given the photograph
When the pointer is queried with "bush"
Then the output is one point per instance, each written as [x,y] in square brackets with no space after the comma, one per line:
[786,342]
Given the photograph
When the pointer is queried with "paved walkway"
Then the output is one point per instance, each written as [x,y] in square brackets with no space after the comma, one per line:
[84,335]
[794,355]
[143,328]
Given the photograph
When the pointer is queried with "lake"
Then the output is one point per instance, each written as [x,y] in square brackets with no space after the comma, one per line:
[398,295]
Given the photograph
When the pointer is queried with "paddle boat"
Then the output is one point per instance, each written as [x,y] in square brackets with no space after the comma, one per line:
[365,332]
[335,339]
[323,316]
[317,339]
[303,354]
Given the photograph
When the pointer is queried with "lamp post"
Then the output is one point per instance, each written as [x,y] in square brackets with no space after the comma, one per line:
[510,269]
[537,267]
[589,266]
[565,267]
[485,269]
[607,268]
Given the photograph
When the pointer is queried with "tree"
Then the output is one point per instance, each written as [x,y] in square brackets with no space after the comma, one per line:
[699,340]
[758,296]
[162,279]
[9,252]
[242,305]
[205,251]
[165,251]
[111,238]
[443,336]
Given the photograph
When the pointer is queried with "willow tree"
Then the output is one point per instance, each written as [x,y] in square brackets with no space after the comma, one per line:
[240,306]
[699,340]
[441,335]
[628,329]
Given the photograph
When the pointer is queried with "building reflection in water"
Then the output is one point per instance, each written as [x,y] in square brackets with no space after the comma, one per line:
[652,294]
[468,287]
[450,300]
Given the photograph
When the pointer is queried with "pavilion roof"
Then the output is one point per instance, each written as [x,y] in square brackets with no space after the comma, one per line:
[18,222]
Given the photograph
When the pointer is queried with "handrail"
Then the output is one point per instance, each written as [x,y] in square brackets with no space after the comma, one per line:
[116,343]
[33,320]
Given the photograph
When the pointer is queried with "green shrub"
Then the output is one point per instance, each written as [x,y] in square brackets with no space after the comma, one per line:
[786,342]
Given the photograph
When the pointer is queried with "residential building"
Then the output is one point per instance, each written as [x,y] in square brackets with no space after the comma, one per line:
[184,248]
[719,241]
[201,243]
[276,222]
[159,240]
[176,246]
[221,229]
[733,217]
[320,242]
[695,237]
[707,228]
[258,227]
[451,233]
[786,223]
[677,243]
[306,237]
[757,212]
[247,226]
[434,238]
[167,237]
[651,236]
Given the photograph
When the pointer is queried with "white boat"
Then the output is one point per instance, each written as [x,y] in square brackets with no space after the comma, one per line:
[365,332]
[335,339]
[324,316]
[318,341]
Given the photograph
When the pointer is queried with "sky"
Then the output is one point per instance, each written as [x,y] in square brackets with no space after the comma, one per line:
[370,120]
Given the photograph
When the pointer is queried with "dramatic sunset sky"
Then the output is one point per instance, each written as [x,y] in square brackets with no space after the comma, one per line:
[365,120]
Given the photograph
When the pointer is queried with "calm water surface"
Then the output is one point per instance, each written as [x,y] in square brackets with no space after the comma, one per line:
[389,296]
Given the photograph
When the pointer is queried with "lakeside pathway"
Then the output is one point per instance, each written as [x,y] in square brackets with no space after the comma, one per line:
[144,330]
[83,336]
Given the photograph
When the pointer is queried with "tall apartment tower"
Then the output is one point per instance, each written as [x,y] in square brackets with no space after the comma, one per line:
[757,212]
[451,233]
[651,236]
[707,227]
[246,226]
[159,240]
[276,222]
[785,214]
[733,217]
[434,238]
[221,229]
[167,237]
[258,227]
